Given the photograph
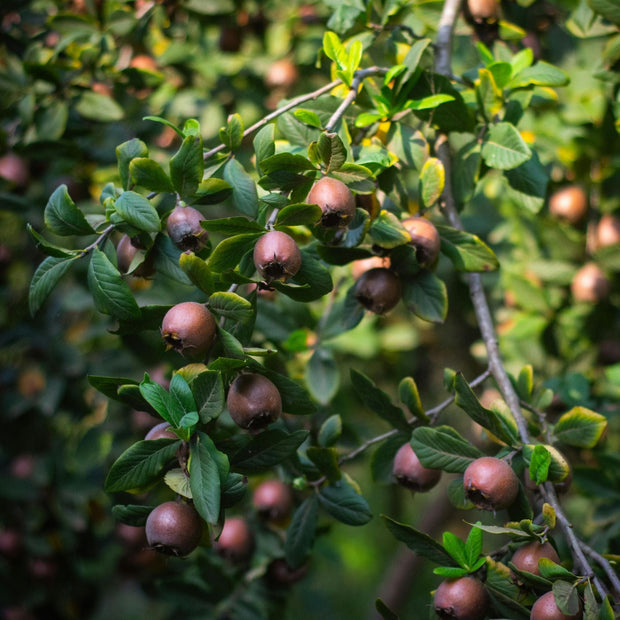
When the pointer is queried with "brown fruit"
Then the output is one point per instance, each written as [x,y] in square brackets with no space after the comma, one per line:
[161,431]
[236,542]
[231,37]
[184,229]
[174,528]
[608,231]
[282,74]
[590,284]
[362,265]
[410,473]
[336,201]
[280,573]
[274,501]
[490,483]
[378,290]
[425,239]
[125,253]
[526,558]
[545,608]
[144,62]
[276,256]
[464,598]
[253,401]
[189,328]
[483,10]
[14,169]
[569,204]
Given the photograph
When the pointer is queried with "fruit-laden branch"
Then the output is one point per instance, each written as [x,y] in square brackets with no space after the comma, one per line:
[481,305]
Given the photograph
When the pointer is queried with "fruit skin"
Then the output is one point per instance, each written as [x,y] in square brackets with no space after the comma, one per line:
[189,328]
[184,229]
[526,558]
[425,239]
[276,256]
[483,10]
[410,473]
[125,252]
[590,284]
[279,573]
[253,401]
[161,431]
[570,204]
[274,501]
[464,598]
[282,75]
[378,290]
[545,609]
[608,231]
[490,483]
[236,542]
[336,201]
[174,528]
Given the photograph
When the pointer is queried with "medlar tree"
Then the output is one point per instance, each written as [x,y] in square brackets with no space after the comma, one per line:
[382,162]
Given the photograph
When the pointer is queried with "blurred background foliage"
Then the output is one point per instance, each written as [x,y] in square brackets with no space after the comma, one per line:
[78,78]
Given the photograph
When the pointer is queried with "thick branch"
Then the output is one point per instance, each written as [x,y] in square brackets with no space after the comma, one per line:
[443,43]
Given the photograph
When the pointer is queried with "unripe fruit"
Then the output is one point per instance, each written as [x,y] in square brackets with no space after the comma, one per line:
[276,256]
[184,229]
[282,74]
[569,204]
[253,401]
[464,598]
[410,473]
[526,558]
[189,328]
[590,284]
[378,290]
[608,231]
[161,431]
[336,201]
[545,608]
[281,574]
[125,253]
[425,239]
[174,528]
[236,542]
[273,500]
[490,483]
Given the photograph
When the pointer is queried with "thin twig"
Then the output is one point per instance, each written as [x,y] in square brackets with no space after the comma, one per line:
[100,239]
[605,565]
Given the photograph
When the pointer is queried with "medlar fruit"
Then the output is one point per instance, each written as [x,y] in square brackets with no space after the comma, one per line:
[570,204]
[545,608]
[464,598]
[174,528]
[236,542]
[162,430]
[526,558]
[410,473]
[336,201]
[282,75]
[378,290]
[189,328]
[425,239]
[608,231]
[125,253]
[184,229]
[483,10]
[276,256]
[490,483]
[280,573]
[590,284]
[273,500]
[253,401]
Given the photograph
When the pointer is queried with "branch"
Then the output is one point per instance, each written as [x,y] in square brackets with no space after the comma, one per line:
[443,45]
[605,565]
[100,239]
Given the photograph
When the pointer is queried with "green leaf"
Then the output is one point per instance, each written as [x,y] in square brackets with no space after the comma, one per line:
[301,532]
[132,514]
[312,281]
[125,152]
[566,596]
[539,464]
[140,465]
[264,144]
[558,468]
[286,161]
[110,292]
[426,296]
[308,117]
[503,428]
[63,217]
[233,226]
[410,397]
[176,479]
[334,49]
[322,375]
[527,184]
[330,431]
[197,271]
[49,248]
[441,448]
[181,400]
[504,148]
[427,103]
[332,151]
[207,467]
[138,211]
[98,107]
[387,231]
[456,548]
[232,134]
[156,396]
[342,502]
[539,74]
[269,448]
[466,251]
[419,543]
[432,181]
[384,611]
[212,191]
[45,278]
[326,461]
[356,177]
[187,167]
[473,547]
[149,174]
[450,572]
[377,400]
[606,612]
[299,214]
[609,9]
[244,195]
[229,252]
[231,306]
[208,390]
[580,427]
[230,345]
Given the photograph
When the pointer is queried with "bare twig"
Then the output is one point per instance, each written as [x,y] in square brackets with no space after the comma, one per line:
[100,239]
[443,44]
[605,565]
